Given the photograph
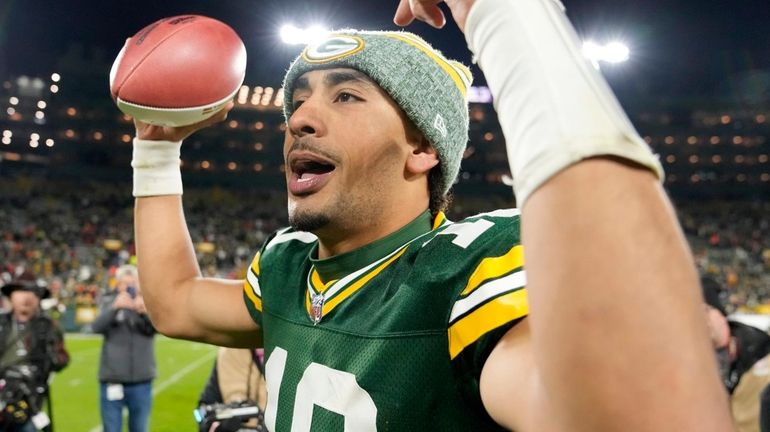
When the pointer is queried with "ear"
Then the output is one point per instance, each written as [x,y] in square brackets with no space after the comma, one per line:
[422,159]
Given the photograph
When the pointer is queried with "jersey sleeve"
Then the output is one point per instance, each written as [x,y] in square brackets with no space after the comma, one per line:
[491,296]
[272,265]
[252,293]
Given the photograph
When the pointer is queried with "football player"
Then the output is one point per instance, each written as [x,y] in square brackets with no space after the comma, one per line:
[377,313]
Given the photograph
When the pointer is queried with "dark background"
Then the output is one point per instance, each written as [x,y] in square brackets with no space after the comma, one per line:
[677,47]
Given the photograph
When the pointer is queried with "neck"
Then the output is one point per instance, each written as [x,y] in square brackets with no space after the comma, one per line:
[334,241]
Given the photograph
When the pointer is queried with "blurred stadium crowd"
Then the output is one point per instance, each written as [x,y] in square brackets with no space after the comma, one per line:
[60,130]
[77,235]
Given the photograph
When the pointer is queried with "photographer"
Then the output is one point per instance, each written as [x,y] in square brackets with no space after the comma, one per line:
[743,354]
[127,363]
[31,347]
[235,394]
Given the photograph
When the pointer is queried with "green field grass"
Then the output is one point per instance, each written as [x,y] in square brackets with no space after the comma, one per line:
[183,368]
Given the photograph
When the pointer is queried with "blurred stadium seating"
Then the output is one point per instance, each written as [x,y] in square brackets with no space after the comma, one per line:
[65,181]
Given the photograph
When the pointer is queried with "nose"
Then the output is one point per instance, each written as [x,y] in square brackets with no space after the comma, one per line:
[306,119]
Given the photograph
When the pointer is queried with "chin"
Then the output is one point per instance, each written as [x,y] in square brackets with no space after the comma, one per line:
[301,218]
[308,221]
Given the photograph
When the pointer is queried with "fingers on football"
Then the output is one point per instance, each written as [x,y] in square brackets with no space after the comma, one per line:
[219,117]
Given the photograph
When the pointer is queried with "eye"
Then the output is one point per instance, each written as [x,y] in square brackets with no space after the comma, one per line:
[296,104]
[346,97]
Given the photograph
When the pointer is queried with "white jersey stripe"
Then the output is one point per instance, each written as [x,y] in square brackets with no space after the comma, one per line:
[345,281]
[487,291]
[254,282]
[304,237]
[342,283]
[509,212]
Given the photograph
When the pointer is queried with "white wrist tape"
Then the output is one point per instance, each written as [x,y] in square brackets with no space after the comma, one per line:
[156,168]
[554,107]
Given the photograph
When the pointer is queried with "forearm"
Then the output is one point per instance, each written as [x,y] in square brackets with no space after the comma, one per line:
[60,358]
[166,257]
[617,322]
[616,313]
[179,301]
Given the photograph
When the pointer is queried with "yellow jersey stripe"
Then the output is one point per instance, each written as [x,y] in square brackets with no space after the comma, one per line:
[494,267]
[440,218]
[448,68]
[328,307]
[493,314]
[255,264]
[318,284]
[256,301]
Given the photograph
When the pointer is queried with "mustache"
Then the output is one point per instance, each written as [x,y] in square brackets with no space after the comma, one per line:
[309,145]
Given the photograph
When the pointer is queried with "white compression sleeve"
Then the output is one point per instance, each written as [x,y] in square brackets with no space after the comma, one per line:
[554,107]
[156,168]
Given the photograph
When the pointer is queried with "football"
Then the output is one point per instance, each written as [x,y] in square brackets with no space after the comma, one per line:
[178,71]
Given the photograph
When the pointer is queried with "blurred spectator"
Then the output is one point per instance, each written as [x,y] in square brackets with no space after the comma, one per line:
[31,347]
[127,363]
[53,305]
[83,231]
[743,352]
[237,379]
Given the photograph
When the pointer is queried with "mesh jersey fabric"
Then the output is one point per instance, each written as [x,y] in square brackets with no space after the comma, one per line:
[402,341]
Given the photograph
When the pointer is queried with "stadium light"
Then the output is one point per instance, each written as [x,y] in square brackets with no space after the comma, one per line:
[613,52]
[296,36]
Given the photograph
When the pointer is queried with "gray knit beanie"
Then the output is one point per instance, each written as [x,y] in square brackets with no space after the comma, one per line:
[431,89]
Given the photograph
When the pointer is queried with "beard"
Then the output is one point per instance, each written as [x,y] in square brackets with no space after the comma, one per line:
[309,222]
[338,213]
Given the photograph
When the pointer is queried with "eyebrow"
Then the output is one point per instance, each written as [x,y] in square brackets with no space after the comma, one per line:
[335,78]
[338,77]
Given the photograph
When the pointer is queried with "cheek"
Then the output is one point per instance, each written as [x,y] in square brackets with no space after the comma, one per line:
[369,165]
[286,144]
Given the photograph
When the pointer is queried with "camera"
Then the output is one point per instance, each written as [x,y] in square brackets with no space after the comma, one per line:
[17,396]
[232,417]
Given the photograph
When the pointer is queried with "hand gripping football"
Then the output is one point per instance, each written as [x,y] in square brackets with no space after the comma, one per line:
[178,71]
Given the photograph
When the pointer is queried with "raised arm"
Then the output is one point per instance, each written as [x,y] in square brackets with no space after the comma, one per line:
[180,302]
[616,336]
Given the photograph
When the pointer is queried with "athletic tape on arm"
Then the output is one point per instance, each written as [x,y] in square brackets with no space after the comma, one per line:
[554,107]
[156,168]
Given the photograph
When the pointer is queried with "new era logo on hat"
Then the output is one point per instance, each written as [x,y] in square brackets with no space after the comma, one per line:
[440,125]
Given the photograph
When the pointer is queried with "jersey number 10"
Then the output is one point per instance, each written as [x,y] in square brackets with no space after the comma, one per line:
[331,389]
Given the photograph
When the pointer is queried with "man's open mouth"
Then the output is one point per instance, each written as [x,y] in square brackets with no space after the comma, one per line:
[307,168]
[308,173]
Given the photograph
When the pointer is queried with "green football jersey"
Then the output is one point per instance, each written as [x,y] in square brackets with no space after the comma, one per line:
[392,336]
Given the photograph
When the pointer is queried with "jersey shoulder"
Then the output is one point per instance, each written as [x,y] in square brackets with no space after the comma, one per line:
[283,253]
[473,238]
[481,260]
[286,243]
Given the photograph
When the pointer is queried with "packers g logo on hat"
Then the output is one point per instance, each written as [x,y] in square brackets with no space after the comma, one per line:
[333,48]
